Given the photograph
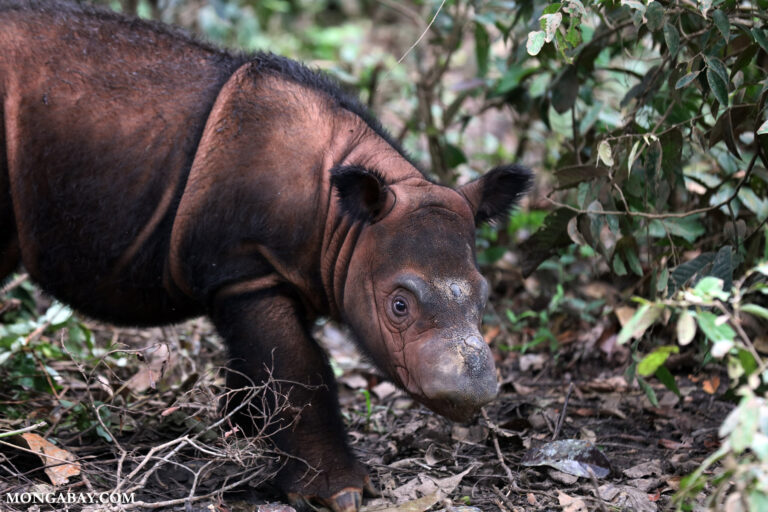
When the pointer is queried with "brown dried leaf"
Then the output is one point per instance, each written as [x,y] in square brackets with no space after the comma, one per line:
[626,498]
[384,390]
[710,385]
[491,333]
[652,467]
[59,462]
[275,507]
[624,314]
[571,503]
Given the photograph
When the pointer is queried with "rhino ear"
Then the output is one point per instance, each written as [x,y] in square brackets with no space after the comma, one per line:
[494,194]
[363,193]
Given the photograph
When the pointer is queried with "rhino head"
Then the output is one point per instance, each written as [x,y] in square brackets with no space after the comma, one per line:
[413,295]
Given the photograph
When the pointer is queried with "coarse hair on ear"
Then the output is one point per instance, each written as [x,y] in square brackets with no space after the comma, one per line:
[363,193]
[493,195]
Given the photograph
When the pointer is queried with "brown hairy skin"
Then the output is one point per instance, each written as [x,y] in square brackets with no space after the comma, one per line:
[146,178]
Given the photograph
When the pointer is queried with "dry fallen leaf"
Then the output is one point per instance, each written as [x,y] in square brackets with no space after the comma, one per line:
[626,498]
[58,462]
[624,314]
[650,468]
[419,494]
[571,503]
[572,456]
[384,389]
[710,385]
[275,507]
[491,333]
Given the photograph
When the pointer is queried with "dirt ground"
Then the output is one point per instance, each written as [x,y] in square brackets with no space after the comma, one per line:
[170,443]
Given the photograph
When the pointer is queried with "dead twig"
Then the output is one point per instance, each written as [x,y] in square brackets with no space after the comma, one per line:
[23,430]
[499,455]
[563,412]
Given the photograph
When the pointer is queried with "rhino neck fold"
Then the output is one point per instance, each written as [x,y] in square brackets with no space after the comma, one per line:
[339,243]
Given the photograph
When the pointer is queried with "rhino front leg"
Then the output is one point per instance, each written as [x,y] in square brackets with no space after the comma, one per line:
[267,332]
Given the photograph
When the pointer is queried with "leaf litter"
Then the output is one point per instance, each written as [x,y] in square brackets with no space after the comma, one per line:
[418,461]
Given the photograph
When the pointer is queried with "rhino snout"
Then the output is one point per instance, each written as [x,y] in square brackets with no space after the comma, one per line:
[457,377]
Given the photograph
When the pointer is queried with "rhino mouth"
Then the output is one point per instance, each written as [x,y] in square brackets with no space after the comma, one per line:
[454,378]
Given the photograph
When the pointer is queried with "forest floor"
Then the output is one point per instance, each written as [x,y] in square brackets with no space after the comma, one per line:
[158,395]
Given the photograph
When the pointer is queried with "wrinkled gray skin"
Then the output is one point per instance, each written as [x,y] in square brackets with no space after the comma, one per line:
[432,346]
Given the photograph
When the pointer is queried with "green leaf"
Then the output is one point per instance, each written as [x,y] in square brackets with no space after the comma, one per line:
[552,8]
[482,48]
[550,24]
[688,228]
[512,78]
[722,267]
[655,16]
[747,361]
[756,310]
[712,329]
[686,79]
[57,314]
[763,128]
[749,416]
[650,363]
[744,58]
[710,287]
[575,174]
[564,90]
[719,86]
[704,6]
[717,66]
[754,203]
[604,153]
[547,240]
[575,7]
[635,5]
[454,156]
[686,328]
[663,280]
[721,21]
[649,392]
[535,42]
[666,378]
[672,38]
[690,271]
[643,318]
[573,36]
[721,348]
[633,155]
[760,38]
[618,266]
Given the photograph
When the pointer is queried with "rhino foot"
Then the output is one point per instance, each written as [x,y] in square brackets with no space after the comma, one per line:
[348,499]
[339,488]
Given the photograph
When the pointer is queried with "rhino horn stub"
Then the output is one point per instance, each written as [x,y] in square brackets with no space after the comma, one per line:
[457,377]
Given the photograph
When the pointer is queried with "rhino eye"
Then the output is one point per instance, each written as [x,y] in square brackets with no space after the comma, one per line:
[399,306]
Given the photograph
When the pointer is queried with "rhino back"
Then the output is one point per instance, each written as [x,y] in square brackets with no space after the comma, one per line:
[102,117]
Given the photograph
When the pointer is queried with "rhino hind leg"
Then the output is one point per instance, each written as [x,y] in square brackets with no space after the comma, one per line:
[269,341]
[9,244]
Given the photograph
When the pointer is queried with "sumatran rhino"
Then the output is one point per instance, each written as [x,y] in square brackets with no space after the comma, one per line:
[146,178]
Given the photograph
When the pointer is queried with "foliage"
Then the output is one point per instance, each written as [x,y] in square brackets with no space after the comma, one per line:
[32,344]
[718,314]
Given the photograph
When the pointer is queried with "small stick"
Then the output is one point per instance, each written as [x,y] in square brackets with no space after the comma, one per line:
[499,455]
[22,430]
[13,284]
[600,500]
[561,419]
